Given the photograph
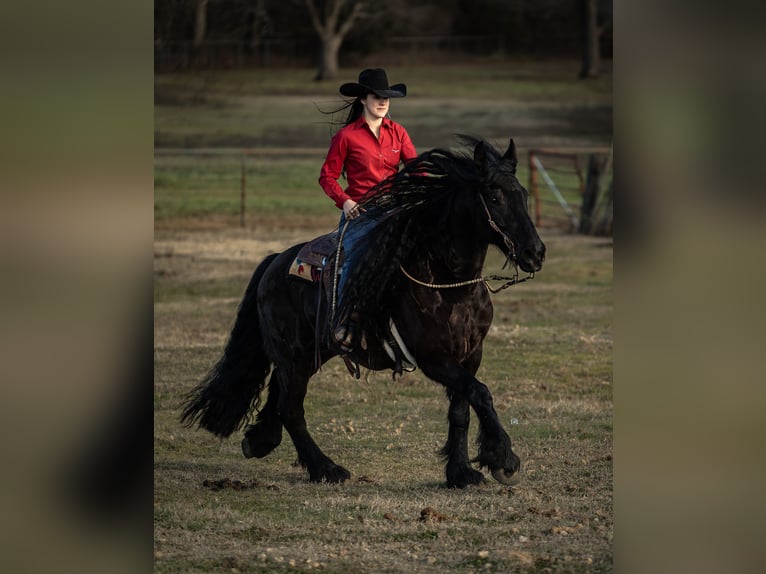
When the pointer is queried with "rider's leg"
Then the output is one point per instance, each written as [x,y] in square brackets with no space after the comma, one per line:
[344,326]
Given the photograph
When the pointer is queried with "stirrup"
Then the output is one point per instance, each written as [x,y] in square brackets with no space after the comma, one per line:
[345,333]
[344,336]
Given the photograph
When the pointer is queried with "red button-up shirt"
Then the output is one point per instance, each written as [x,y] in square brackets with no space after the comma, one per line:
[367,159]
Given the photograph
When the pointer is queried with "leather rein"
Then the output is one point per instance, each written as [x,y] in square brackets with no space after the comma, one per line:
[513,280]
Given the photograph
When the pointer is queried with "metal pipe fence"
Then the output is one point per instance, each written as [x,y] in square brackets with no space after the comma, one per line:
[560,169]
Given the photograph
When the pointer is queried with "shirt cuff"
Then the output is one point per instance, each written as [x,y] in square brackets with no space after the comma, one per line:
[341,200]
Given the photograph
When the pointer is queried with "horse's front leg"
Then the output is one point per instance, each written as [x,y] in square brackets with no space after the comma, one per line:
[495,450]
[458,469]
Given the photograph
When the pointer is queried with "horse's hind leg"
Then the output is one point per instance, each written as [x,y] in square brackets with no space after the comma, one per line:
[266,434]
[459,471]
[292,393]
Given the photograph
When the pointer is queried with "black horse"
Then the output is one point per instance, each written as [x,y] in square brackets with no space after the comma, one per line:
[421,272]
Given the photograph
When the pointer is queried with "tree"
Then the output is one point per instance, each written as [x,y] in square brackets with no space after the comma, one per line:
[591,59]
[332,21]
[200,23]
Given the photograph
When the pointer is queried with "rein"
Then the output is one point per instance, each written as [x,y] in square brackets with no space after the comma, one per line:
[487,278]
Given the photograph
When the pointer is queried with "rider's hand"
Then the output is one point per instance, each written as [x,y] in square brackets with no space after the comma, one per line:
[351,209]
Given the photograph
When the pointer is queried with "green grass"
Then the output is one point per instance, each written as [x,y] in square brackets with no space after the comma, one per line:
[199,186]
[500,79]
[280,108]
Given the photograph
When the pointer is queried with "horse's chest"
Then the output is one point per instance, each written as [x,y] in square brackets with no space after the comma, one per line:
[466,329]
[460,325]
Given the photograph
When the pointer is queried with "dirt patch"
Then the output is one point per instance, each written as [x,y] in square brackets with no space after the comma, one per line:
[215,254]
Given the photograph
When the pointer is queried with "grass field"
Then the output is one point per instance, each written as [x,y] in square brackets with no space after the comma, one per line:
[547,360]
[539,104]
[205,185]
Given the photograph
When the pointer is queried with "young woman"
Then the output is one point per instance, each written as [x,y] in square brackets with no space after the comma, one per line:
[368,149]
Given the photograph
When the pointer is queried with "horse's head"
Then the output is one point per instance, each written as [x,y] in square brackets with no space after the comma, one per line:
[504,203]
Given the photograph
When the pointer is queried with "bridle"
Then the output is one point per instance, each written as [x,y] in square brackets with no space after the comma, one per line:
[507,240]
[509,281]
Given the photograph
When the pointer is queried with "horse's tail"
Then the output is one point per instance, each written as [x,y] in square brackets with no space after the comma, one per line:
[232,388]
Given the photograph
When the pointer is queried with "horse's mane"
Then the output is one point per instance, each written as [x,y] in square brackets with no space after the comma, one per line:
[410,209]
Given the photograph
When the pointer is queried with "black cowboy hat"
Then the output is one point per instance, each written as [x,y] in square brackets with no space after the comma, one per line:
[373,81]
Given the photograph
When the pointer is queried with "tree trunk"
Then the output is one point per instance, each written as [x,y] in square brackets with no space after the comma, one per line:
[200,23]
[332,24]
[591,60]
[590,195]
[328,60]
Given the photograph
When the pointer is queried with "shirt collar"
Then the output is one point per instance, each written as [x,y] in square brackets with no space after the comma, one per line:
[361,122]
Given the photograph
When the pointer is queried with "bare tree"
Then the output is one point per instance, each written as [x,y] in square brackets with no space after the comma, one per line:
[332,21]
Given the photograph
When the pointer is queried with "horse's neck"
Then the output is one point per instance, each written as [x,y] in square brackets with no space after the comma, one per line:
[459,255]
[461,265]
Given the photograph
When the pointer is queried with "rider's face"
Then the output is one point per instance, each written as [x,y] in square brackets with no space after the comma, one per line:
[375,106]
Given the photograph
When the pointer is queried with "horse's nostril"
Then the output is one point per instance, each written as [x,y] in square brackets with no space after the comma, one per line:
[534,255]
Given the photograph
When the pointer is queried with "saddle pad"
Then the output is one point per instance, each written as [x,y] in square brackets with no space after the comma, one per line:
[311,273]
[317,251]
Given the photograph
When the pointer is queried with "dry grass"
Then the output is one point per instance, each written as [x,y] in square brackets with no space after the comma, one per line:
[547,360]
[548,357]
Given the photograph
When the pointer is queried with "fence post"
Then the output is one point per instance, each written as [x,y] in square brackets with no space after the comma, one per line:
[242,193]
[590,196]
[533,186]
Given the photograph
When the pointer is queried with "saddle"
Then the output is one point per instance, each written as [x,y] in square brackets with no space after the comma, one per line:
[315,257]
[318,252]
[316,263]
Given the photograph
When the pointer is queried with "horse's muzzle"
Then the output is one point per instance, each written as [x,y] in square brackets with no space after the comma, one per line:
[531,258]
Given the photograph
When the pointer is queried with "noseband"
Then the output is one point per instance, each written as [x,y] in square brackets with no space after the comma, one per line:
[487,278]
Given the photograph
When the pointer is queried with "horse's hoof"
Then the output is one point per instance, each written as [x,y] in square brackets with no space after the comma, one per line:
[246,450]
[508,478]
[337,475]
[332,473]
[258,449]
[464,477]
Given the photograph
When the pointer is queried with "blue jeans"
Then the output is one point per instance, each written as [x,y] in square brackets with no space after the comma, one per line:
[356,229]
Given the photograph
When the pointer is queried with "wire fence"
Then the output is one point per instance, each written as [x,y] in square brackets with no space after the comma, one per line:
[569,189]
[240,186]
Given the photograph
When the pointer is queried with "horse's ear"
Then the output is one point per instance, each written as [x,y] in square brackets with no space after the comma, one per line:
[510,154]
